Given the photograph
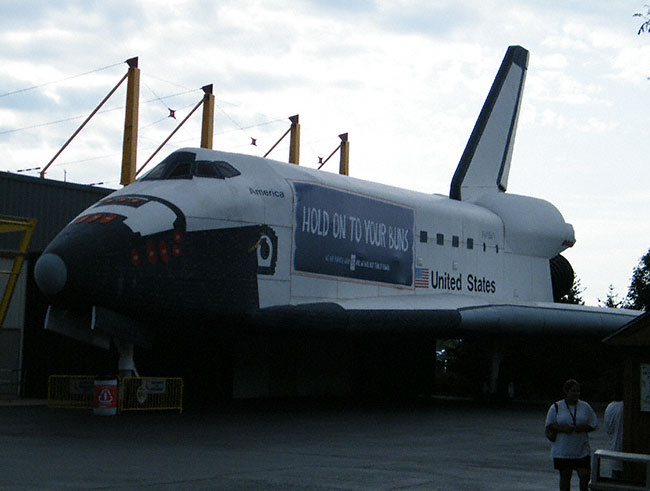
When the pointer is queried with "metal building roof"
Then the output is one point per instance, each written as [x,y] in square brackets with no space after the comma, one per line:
[52,203]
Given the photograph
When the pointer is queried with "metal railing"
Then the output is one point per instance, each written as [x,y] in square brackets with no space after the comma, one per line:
[619,470]
[150,393]
[70,391]
[134,393]
[10,382]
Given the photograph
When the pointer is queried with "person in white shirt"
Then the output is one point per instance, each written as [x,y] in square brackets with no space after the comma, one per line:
[614,427]
[572,420]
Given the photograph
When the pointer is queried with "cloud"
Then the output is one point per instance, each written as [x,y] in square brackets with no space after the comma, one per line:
[406,79]
[554,62]
[631,64]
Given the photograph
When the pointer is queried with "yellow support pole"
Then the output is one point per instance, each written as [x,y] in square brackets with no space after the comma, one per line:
[207,127]
[12,224]
[344,167]
[130,145]
[294,144]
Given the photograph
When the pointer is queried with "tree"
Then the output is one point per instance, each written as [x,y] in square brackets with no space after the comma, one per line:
[645,27]
[638,295]
[575,293]
[612,300]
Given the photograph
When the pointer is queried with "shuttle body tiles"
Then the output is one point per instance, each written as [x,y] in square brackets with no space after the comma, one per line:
[209,234]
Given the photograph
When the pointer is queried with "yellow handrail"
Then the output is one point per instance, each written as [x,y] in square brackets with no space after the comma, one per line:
[15,224]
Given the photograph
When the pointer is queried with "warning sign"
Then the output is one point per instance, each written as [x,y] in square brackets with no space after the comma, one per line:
[106,397]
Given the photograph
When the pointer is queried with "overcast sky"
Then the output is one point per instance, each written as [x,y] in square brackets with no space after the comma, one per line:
[406,80]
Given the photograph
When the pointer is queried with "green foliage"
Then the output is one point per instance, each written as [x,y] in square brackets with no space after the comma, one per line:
[612,300]
[575,294]
[638,295]
[645,27]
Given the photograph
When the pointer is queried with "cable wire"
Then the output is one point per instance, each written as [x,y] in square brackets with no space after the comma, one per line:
[73,118]
[66,120]
[19,91]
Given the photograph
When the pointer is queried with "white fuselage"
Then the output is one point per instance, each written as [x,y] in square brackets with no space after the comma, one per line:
[453,248]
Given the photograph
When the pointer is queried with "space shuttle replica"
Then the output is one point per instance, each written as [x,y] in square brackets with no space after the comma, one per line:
[265,247]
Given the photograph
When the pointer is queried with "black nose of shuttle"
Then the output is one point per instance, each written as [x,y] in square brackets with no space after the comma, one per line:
[50,273]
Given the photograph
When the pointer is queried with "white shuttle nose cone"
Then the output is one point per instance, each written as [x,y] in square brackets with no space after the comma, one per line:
[50,274]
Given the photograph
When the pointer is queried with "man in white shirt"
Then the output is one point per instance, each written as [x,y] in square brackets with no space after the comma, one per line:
[573,420]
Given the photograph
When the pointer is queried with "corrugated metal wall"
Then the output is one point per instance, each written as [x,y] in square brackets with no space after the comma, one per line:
[16,313]
[52,203]
[11,336]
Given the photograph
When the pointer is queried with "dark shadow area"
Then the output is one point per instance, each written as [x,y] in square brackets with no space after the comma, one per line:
[47,353]
[536,368]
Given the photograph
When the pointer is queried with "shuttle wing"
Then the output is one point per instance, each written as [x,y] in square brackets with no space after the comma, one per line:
[446,316]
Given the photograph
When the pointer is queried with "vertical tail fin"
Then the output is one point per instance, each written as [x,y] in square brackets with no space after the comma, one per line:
[485,164]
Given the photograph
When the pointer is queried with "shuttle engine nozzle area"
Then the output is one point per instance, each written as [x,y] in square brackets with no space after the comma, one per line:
[562,276]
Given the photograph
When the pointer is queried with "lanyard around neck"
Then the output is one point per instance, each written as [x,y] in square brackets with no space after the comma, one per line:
[573,414]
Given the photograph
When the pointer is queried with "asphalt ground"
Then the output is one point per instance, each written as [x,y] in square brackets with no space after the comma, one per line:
[437,444]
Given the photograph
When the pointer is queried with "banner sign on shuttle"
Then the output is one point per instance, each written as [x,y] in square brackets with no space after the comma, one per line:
[343,234]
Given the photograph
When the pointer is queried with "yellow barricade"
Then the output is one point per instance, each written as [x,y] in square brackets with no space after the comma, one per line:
[70,391]
[150,394]
[134,393]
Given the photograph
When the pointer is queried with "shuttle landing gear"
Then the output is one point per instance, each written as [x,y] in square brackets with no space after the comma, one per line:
[126,365]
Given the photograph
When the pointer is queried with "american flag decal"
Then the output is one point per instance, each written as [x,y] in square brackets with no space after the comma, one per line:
[421,278]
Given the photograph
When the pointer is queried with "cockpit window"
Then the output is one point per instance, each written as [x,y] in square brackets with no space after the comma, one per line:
[183,165]
[182,170]
[218,169]
[206,169]
[156,173]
